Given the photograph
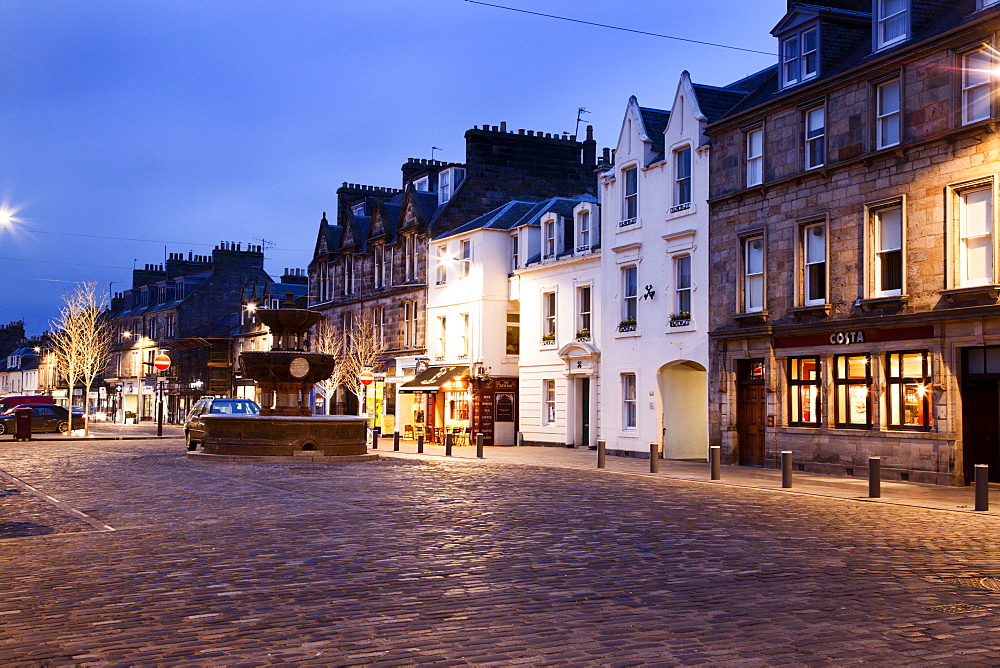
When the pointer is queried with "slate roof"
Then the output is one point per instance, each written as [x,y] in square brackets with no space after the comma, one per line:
[655,122]
[517,214]
[715,102]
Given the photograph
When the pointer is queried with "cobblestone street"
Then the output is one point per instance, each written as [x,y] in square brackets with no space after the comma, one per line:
[126,552]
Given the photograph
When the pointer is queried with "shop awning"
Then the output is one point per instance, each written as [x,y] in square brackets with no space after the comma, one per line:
[432,379]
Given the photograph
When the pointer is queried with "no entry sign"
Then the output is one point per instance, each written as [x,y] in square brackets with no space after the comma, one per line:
[161,362]
[366,377]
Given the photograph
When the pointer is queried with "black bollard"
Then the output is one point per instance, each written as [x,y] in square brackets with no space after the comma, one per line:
[715,457]
[420,444]
[654,457]
[447,444]
[395,441]
[479,445]
[602,455]
[786,468]
[374,438]
[874,477]
[982,487]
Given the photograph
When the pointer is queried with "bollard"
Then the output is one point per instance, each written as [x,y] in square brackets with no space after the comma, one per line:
[420,444]
[874,477]
[786,468]
[654,457]
[374,438]
[520,439]
[715,456]
[602,455]
[479,445]
[982,487]
[395,441]
[447,444]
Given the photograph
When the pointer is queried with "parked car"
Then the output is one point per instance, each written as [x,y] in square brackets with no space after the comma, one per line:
[44,417]
[194,425]
[13,400]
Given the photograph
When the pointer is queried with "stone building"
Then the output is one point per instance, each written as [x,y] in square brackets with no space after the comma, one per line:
[371,262]
[190,309]
[854,291]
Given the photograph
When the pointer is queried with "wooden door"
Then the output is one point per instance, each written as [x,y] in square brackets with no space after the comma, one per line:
[751,411]
[981,427]
[585,412]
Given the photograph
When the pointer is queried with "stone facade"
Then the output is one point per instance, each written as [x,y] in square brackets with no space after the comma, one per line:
[871,300]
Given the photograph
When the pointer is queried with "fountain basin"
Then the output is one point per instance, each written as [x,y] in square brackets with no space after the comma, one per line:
[328,438]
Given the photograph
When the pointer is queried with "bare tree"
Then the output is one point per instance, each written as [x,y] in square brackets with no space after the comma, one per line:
[82,341]
[328,338]
[356,351]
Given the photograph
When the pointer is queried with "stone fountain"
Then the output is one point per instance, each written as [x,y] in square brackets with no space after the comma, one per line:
[286,427]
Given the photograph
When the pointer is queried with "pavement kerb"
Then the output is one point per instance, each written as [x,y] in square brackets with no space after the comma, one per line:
[801,490]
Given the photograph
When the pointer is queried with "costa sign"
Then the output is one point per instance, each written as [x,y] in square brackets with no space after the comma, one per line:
[847,338]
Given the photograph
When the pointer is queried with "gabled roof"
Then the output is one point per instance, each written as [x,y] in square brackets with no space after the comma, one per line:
[655,122]
[328,238]
[715,102]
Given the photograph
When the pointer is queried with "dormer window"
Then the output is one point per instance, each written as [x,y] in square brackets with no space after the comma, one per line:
[359,209]
[892,22]
[448,182]
[423,184]
[800,57]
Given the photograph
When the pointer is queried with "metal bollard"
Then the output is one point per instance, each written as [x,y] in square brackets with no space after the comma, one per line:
[420,444]
[395,441]
[874,477]
[982,487]
[520,439]
[602,455]
[786,468]
[654,457]
[447,444]
[479,445]
[715,457]
[374,438]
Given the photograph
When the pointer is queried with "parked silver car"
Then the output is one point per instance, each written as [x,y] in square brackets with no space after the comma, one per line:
[194,425]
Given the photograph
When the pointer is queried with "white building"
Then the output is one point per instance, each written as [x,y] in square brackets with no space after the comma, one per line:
[482,346]
[655,276]
[19,372]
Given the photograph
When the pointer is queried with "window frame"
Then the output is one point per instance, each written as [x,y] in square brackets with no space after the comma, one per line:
[548,401]
[549,235]
[754,162]
[811,141]
[800,386]
[442,265]
[882,117]
[842,384]
[584,312]
[630,195]
[799,63]
[549,312]
[466,340]
[881,21]
[630,293]
[682,178]
[895,389]
[813,272]
[630,403]
[879,250]
[465,258]
[583,230]
[960,219]
[749,277]
[967,89]
[513,347]
[515,252]
[682,287]
[442,344]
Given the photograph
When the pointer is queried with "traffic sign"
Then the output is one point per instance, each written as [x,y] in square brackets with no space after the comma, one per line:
[366,378]
[161,362]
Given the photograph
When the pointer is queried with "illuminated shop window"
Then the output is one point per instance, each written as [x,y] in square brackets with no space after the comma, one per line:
[852,378]
[804,385]
[908,390]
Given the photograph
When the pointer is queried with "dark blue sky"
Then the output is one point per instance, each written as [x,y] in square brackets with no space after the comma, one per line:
[131,128]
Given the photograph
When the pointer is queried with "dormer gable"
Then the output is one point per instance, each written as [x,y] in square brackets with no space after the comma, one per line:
[814,36]
[641,135]
[412,216]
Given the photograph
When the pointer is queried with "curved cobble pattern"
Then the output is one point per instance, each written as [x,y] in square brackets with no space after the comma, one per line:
[457,562]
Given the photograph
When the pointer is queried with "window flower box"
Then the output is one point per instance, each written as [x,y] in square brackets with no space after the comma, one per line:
[627,325]
[583,335]
[682,319]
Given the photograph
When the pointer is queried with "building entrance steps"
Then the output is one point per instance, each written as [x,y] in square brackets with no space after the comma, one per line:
[917,495]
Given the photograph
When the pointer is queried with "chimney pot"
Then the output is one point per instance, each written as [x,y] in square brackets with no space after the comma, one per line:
[503,126]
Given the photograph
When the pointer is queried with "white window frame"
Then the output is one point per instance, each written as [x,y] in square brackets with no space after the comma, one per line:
[349,274]
[378,325]
[682,285]
[549,238]
[888,118]
[884,246]
[984,238]
[630,293]
[359,209]
[883,20]
[408,313]
[442,337]
[755,156]
[583,220]
[379,262]
[682,178]
[442,264]
[448,182]
[975,87]
[797,58]
[466,336]
[813,251]
[585,306]
[548,401]
[465,258]
[630,194]
[549,312]
[515,252]
[423,184]
[754,278]
[814,137]
[630,404]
